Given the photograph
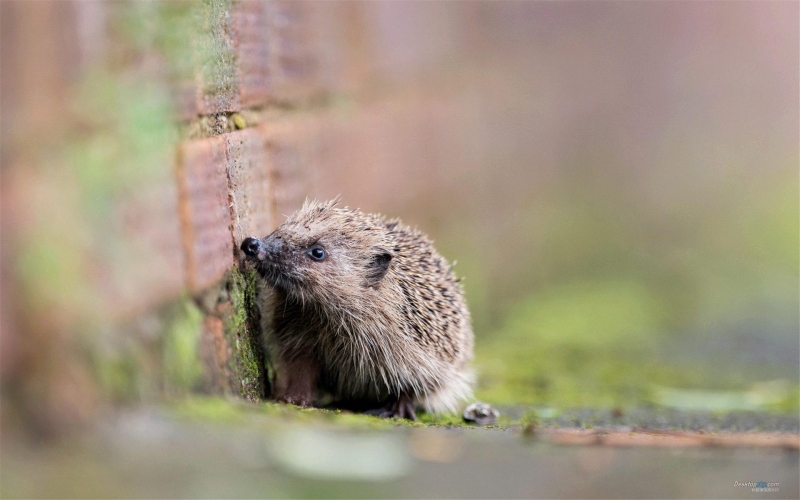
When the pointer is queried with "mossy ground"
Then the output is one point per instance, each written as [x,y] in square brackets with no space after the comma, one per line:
[219,410]
[599,346]
[617,378]
[224,410]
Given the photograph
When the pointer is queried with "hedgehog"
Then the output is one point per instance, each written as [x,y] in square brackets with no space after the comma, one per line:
[361,310]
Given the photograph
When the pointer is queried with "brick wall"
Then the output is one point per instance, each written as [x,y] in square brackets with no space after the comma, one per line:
[142,142]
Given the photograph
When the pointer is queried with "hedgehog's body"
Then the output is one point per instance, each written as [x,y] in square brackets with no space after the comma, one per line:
[364,309]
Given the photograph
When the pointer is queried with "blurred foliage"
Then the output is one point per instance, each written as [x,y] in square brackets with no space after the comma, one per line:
[94,197]
[580,345]
[154,355]
[163,27]
[183,370]
[132,130]
[647,321]
[122,146]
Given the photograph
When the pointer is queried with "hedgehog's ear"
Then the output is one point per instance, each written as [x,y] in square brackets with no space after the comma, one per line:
[378,265]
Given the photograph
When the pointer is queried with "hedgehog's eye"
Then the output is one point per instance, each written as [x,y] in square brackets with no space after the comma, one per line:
[317,253]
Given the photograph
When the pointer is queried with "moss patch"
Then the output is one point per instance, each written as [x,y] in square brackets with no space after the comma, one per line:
[221,410]
[599,345]
[243,332]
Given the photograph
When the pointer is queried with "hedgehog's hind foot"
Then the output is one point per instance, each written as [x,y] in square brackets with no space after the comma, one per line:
[399,407]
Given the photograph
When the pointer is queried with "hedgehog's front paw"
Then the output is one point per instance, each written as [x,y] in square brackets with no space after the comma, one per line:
[296,380]
[297,400]
[402,407]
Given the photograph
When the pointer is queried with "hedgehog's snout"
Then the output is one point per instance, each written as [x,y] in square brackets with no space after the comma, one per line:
[267,249]
[255,248]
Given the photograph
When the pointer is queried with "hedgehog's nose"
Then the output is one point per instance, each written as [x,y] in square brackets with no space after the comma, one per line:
[252,247]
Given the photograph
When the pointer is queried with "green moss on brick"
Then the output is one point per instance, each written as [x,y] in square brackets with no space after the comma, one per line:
[242,331]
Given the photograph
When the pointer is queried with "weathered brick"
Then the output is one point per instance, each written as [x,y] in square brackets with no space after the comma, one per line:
[252,34]
[249,173]
[413,38]
[293,59]
[376,155]
[216,53]
[365,156]
[293,147]
[342,46]
[184,97]
[215,354]
[147,263]
[269,171]
[250,52]
[205,211]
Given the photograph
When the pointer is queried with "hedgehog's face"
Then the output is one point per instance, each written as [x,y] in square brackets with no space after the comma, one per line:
[319,256]
[286,262]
